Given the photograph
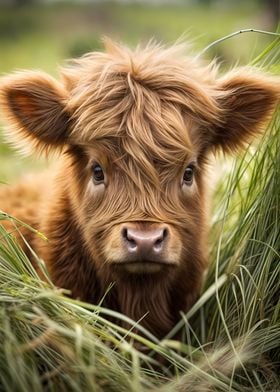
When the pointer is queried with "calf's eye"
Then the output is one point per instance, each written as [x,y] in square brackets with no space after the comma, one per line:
[98,174]
[188,175]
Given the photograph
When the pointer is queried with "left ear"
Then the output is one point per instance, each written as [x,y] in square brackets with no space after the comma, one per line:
[34,104]
[247,102]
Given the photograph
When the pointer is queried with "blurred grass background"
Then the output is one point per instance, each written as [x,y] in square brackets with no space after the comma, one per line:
[41,34]
[232,332]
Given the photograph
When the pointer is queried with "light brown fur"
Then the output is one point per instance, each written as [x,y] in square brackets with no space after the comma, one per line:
[144,116]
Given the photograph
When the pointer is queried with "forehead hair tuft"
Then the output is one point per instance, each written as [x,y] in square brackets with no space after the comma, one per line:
[143,99]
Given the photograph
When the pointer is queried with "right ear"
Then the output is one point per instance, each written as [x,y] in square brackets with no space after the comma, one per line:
[33,103]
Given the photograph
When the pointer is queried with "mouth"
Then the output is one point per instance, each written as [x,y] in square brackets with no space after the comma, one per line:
[143,267]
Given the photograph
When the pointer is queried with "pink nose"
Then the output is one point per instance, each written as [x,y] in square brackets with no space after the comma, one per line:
[145,243]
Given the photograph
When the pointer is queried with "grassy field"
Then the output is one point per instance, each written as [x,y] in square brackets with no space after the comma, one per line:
[41,37]
[49,342]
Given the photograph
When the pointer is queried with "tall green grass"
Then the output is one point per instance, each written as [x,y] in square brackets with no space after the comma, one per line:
[231,335]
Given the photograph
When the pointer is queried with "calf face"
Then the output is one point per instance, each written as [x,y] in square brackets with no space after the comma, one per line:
[135,130]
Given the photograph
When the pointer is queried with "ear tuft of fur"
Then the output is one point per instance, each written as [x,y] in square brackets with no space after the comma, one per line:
[33,104]
[248,99]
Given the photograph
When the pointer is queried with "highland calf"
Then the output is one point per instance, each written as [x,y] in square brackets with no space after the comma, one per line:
[127,200]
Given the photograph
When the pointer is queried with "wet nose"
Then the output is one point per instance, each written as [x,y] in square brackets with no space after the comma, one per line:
[145,242]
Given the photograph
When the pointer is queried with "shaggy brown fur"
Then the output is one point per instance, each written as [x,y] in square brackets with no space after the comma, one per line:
[144,116]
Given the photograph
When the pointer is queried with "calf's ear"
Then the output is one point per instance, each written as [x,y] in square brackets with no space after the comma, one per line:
[33,103]
[247,102]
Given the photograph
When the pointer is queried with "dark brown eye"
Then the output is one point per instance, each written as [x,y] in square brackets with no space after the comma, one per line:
[98,175]
[188,175]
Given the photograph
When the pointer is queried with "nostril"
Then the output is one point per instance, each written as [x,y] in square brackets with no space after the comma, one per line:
[130,241]
[165,234]
[159,243]
[124,234]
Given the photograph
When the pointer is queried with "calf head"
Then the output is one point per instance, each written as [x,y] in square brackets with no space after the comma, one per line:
[136,129]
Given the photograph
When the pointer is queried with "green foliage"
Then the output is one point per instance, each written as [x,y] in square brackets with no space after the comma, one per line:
[84,45]
[41,36]
[231,335]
